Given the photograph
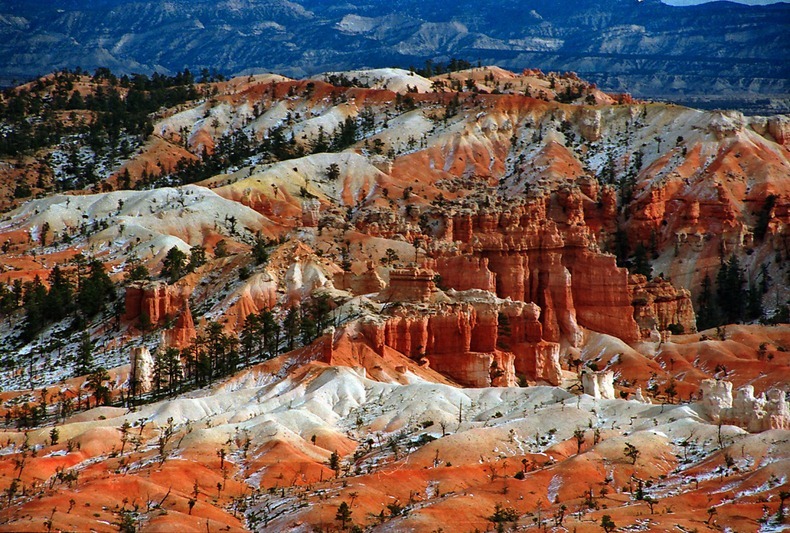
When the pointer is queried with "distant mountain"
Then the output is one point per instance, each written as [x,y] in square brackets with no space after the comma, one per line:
[738,53]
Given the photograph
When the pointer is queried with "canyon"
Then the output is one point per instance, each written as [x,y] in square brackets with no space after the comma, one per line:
[432,300]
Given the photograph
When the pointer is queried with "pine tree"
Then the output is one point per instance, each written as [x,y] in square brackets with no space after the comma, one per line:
[270,330]
[292,327]
[34,301]
[249,337]
[730,292]
[84,363]
[95,289]
[95,382]
[343,515]
[59,301]
[197,257]
[346,136]
[706,307]
[621,247]
[754,308]
[174,264]
[171,368]
[259,252]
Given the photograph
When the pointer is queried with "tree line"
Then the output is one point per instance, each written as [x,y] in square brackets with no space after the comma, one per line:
[81,292]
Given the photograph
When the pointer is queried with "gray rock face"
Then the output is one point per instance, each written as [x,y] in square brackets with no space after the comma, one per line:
[738,53]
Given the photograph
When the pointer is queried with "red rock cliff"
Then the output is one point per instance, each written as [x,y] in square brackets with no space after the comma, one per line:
[477,339]
[535,260]
[156,299]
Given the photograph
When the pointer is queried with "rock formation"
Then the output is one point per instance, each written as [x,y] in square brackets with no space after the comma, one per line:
[161,303]
[599,385]
[310,213]
[779,128]
[716,397]
[658,305]
[463,272]
[366,283]
[156,300]
[472,336]
[183,331]
[142,369]
[764,412]
[528,258]
[640,397]
[409,285]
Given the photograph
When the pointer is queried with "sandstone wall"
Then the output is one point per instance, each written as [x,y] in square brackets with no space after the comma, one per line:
[477,340]
[533,260]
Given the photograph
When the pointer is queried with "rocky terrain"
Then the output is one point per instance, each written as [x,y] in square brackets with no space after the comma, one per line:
[719,55]
[373,299]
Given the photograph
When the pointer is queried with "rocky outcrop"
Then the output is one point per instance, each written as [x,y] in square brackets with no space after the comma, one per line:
[640,397]
[531,259]
[540,361]
[366,283]
[659,305]
[476,369]
[779,128]
[183,332]
[462,272]
[473,337]
[156,300]
[142,369]
[590,124]
[305,275]
[716,397]
[161,304]
[761,413]
[409,285]
[599,385]
[602,300]
[311,213]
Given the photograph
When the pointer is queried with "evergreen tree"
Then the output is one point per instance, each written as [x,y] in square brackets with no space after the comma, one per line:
[197,258]
[174,264]
[730,292]
[707,315]
[754,308]
[270,331]
[621,248]
[259,252]
[84,362]
[60,298]
[95,382]
[291,327]
[169,363]
[34,301]
[345,136]
[8,300]
[343,515]
[158,374]
[320,309]
[332,172]
[307,327]
[249,338]
[95,289]
[136,271]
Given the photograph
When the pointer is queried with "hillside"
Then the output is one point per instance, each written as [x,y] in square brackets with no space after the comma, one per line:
[477,299]
[717,55]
